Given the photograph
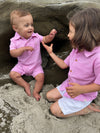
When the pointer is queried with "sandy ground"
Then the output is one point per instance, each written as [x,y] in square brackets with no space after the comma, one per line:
[33,117]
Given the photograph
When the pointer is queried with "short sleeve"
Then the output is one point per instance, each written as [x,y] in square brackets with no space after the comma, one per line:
[67,59]
[39,36]
[97,70]
[12,45]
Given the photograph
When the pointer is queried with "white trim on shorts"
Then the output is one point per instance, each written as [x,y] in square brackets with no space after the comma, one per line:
[69,105]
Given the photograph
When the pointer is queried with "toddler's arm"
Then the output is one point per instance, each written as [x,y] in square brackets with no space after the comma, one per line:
[76,89]
[19,51]
[57,60]
[50,37]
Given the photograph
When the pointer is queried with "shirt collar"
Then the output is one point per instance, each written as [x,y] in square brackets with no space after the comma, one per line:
[17,36]
[90,53]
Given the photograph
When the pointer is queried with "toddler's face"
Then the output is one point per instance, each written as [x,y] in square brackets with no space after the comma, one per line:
[25,26]
[71,32]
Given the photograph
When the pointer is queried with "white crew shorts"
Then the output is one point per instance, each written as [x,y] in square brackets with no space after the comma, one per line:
[69,105]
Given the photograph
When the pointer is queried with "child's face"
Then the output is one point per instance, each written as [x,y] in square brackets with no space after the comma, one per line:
[24,26]
[71,32]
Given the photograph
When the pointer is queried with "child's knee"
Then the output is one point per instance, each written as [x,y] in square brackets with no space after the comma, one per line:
[53,110]
[48,96]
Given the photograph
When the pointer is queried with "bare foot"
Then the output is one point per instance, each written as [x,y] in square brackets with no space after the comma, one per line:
[36,95]
[27,89]
[93,107]
[89,109]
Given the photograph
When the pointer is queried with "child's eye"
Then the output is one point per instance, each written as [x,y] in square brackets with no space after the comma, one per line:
[70,31]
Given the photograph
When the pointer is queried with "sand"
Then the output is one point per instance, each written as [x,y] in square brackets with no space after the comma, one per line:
[30,116]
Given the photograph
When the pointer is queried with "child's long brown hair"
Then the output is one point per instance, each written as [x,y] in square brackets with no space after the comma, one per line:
[87,29]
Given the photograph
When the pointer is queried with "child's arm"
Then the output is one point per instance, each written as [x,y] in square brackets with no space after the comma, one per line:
[76,89]
[50,37]
[19,51]
[57,60]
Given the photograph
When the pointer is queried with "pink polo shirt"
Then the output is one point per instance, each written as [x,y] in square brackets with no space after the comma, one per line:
[84,69]
[28,58]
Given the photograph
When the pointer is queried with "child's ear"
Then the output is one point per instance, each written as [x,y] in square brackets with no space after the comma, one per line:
[14,27]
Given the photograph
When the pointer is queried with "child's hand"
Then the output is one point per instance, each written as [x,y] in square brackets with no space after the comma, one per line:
[74,90]
[48,48]
[28,48]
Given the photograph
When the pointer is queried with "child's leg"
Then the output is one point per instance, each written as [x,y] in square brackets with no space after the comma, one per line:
[16,77]
[38,85]
[53,95]
[55,110]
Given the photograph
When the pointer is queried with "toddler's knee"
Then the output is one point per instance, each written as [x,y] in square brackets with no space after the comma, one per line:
[14,75]
[40,77]
[11,74]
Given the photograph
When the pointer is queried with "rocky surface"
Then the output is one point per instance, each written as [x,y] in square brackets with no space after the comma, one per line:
[47,14]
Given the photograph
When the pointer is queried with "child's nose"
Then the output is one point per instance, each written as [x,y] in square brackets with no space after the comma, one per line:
[68,34]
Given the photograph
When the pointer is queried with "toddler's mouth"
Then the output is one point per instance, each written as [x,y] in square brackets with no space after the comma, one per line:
[30,31]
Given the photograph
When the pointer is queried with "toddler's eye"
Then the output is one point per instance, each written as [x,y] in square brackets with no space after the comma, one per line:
[26,25]
[32,25]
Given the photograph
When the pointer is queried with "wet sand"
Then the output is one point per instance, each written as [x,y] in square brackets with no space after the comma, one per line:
[26,115]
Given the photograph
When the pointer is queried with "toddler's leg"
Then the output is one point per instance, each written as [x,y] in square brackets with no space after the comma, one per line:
[16,77]
[38,85]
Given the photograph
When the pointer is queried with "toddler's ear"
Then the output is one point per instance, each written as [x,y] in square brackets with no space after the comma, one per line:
[14,27]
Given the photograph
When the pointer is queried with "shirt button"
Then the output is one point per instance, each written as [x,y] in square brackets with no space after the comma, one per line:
[75,59]
[70,70]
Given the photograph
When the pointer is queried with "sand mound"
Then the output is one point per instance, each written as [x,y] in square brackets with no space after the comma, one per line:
[26,115]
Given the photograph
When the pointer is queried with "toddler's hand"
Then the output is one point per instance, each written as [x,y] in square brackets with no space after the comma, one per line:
[53,32]
[48,38]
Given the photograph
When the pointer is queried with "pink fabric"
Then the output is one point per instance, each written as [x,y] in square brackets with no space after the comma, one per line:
[22,69]
[84,69]
[29,60]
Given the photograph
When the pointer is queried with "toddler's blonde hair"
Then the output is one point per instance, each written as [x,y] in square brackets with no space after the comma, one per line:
[16,14]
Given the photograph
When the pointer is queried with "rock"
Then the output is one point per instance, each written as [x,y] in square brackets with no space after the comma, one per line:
[47,14]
